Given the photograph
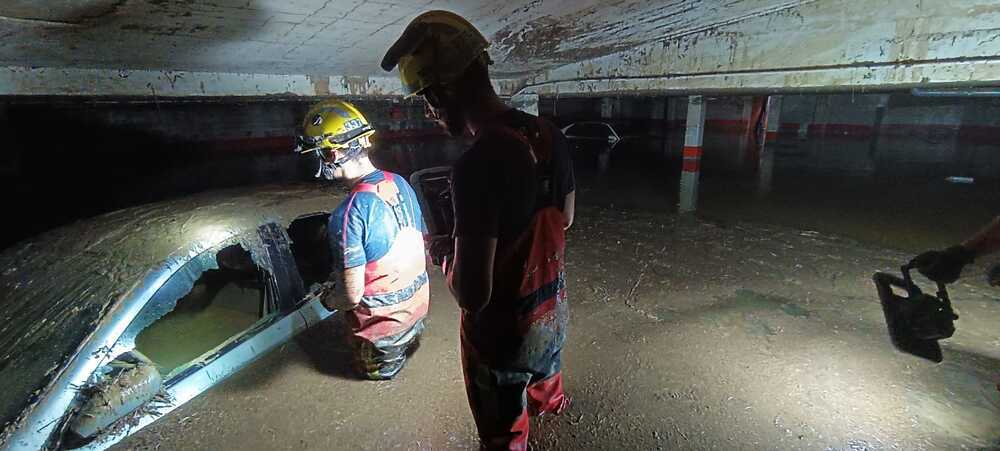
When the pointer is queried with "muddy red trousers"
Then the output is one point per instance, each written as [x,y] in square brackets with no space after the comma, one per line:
[511,350]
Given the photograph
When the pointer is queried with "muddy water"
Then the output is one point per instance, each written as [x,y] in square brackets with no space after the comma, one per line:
[203,319]
[753,325]
[835,185]
[685,334]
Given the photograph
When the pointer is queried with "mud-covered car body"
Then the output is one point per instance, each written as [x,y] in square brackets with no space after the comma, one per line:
[592,143]
[77,299]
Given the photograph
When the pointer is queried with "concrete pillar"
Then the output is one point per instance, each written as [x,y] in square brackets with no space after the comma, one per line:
[765,167]
[692,154]
[10,156]
[873,148]
[674,116]
[773,118]
[657,114]
[658,108]
[608,107]
[748,149]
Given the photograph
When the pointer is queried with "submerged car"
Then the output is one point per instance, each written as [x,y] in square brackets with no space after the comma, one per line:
[112,322]
[592,142]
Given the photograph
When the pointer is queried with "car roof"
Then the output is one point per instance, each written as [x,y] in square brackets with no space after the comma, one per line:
[56,287]
[605,124]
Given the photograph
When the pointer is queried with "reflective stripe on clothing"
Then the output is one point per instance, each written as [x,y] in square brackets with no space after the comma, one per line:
[395,297]
[373,323]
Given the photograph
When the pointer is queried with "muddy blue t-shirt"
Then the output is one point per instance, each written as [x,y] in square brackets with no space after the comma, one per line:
[363,228]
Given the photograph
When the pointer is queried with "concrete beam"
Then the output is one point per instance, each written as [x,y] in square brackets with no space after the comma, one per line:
[833,45]
[40,81]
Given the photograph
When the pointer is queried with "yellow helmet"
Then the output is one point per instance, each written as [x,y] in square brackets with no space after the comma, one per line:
[436,48]
[334,124]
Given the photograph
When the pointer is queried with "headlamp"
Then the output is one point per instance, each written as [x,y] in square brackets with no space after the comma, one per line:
[307,144]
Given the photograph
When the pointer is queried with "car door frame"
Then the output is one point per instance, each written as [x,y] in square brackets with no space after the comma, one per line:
[291,316]
[611,144]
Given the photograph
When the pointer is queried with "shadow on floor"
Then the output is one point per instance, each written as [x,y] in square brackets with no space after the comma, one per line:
[326,345]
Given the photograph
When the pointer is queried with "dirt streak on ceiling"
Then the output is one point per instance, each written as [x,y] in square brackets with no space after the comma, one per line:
[343,37]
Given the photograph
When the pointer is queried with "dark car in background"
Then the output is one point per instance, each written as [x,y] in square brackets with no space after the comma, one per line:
[591,143]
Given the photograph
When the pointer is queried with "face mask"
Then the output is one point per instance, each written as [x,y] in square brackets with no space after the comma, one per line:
[325,171]
[326,168]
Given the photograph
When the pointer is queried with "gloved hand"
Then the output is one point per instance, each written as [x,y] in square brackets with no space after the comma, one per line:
[943,266]
[993,277]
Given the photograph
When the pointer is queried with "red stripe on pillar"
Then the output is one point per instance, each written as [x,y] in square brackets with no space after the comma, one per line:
[692,151]
[691,165]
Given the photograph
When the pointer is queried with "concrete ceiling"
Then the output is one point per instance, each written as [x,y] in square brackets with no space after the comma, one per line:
[344,37]
[324,47]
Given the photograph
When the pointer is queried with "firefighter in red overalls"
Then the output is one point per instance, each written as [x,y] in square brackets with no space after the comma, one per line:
[376,238]
[513,196]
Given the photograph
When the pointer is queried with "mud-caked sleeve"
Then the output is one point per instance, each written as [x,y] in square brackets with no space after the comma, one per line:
[412,204]
[346,232]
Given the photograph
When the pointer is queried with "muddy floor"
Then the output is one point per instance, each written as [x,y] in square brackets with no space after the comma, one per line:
[685,334]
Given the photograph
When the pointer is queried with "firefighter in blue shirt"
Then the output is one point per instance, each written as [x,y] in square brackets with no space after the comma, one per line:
[376,236]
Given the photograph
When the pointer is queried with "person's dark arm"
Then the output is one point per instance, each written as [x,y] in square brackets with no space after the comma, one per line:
[986,241]
[946,265]
[470,277]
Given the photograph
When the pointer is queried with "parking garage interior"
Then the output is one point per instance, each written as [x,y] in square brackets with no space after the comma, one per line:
[838,139]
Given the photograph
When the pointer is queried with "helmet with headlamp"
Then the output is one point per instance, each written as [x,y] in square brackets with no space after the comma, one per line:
[336,132]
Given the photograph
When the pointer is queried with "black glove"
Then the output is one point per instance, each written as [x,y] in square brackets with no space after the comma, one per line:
[943,266]
[994,276]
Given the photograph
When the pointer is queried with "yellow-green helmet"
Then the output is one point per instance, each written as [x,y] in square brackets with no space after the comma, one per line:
[436,48]
[334,124]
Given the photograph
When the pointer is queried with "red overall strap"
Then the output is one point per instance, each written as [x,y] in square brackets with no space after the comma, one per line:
[511,132]
[385,189]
